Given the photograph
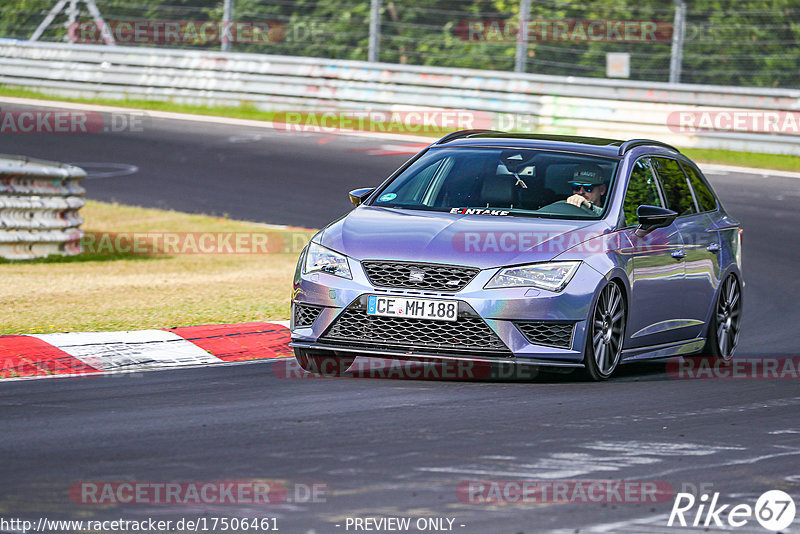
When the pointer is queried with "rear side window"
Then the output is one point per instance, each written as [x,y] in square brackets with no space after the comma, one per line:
[705,198]
[676,187]
[642,190]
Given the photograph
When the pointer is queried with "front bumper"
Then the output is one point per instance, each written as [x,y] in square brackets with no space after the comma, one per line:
[502,311]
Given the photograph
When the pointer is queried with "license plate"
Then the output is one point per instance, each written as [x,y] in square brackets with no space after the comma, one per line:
[438,310]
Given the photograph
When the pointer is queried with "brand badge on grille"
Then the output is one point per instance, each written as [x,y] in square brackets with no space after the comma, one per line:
[416,276]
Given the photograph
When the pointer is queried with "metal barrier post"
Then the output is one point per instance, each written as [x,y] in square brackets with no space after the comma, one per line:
[374,31]
[678,31]
[522,36]
[227,17]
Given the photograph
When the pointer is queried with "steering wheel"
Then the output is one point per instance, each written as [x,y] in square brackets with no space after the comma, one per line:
[562,207]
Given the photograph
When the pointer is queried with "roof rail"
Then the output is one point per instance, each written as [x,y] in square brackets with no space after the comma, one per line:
[628,145]
[462,133]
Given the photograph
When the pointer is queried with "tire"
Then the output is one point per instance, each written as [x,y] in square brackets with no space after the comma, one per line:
[322,364]
[606,332]
[725,323]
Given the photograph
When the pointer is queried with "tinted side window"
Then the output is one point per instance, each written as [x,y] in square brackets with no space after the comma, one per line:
[676,187]
[702,193]
[642,189]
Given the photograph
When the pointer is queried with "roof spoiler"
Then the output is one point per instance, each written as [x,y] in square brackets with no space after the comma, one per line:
[633,143]
[462,133]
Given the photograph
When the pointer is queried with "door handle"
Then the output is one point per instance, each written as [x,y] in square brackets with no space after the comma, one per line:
[713,247]
[678,254]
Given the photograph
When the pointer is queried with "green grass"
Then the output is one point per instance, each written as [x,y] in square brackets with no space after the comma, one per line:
[247,110]
[107,289]
[744,159]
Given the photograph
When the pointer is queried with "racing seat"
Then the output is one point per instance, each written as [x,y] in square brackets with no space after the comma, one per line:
[498,191]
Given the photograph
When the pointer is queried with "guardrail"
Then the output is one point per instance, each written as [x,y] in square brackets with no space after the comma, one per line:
[39,203]
[563,105]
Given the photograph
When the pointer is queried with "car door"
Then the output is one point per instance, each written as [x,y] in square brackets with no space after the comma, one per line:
[698,256]
[656,275]
[704,244]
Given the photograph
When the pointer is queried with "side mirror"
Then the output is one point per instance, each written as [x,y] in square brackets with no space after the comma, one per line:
[357,196]
[652,217]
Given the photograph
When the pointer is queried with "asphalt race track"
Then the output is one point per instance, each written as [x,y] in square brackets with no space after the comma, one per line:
[387,447]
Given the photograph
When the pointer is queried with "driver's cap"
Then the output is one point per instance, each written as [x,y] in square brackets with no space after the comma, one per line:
[588,173]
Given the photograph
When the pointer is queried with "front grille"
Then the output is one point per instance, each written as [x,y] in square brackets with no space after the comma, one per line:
[552,334]
[305,315]
[424,276]
[469,333]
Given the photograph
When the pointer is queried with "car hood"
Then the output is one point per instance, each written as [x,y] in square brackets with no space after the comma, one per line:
[482,241]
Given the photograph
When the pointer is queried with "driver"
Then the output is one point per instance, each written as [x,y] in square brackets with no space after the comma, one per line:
[588,187]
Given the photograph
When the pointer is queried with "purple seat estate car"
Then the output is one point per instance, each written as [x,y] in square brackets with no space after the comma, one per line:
[539,250]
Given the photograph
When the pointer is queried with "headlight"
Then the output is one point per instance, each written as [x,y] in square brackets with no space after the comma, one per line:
[319,258]
[550,276]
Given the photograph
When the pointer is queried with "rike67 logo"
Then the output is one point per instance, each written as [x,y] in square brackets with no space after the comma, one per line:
[774,510]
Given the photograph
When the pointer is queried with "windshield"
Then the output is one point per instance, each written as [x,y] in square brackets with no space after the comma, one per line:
[502,181]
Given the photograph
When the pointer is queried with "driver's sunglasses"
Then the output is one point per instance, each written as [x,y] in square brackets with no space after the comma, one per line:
[586,187]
